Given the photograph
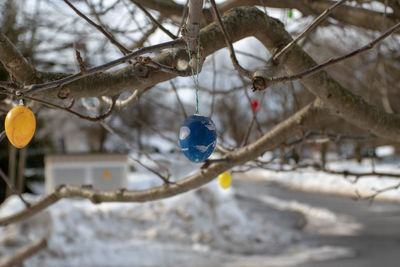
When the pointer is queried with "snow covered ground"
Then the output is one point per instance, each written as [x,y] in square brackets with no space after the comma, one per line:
[319,181]
[205,227]
[202,228]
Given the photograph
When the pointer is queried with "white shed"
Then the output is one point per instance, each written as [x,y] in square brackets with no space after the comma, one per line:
[102,171]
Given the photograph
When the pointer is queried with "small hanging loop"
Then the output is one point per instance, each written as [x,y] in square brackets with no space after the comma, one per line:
[19,96]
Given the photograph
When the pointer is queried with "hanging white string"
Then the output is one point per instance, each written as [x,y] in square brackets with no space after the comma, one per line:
[195,76]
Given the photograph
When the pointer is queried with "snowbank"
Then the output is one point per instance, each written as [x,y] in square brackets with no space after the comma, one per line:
[204,226]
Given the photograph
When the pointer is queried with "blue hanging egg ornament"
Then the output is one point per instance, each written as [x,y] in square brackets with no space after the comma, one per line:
[197,137]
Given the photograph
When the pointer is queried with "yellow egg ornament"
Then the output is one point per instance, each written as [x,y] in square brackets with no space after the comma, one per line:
[224,180]
[20,125]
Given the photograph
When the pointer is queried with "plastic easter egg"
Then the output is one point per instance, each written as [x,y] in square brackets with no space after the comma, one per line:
[290,13]
[20,125]
[254,104]
[225,180]
[197,137]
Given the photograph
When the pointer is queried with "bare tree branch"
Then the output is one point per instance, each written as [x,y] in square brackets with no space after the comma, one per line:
[310,28]
[304,119]
[178,99]
[69,79]
[24,253]
[148,156]
[108,35]
[372,197]
[67,109]
[12,187]
[260,82]
[353,15]
[173,37]
[235,62]
[240,23]
[14,62]
[193,24]
[144,38]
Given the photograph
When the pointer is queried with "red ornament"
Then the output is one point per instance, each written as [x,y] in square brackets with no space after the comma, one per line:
[254,104]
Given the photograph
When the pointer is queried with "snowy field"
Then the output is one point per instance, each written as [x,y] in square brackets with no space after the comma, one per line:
[205,227]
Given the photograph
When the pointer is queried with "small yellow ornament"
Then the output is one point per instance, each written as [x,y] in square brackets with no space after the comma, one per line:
[20,125]
[224,180]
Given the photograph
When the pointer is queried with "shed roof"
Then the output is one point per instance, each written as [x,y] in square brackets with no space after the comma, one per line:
[70,158]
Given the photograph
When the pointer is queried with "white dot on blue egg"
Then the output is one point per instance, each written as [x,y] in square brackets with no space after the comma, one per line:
[197,137]
[184,132]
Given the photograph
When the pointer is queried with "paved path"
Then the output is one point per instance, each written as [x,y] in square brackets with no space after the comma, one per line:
[378,245]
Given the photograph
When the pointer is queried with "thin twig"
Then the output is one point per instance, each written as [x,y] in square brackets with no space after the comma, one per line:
[144,38]
[159,104]
[254,119]
[165,178]
[314,24]
[184,16]
[344,173]
[320,137]
[74,77]
[179,100]
[11,86]
[372,197]
[154,129]
[80,62]
[251,55]
[122,48]
[147,13]
[24,253]
[168,69]
[46,103]
[12,187]
[2,135]
[254,112]
[260,83]
[228,41]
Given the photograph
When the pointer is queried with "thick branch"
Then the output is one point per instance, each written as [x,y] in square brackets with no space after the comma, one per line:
[351,107]
[239,24]
[89,86]
[15,63]
[193,24]
[355,16]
